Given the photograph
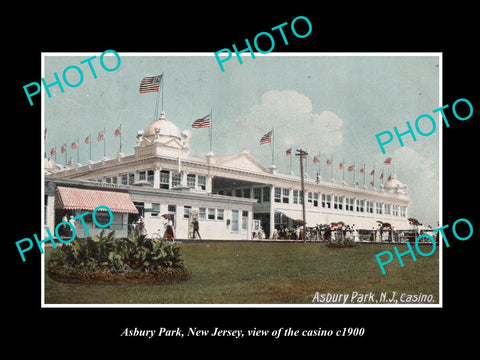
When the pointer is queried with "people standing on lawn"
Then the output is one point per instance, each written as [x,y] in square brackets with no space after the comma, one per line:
[195,228]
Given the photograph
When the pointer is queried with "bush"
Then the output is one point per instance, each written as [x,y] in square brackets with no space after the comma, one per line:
[105,258]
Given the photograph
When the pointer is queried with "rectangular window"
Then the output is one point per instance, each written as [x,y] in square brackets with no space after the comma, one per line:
[155,209]
[350,203]
[403,211]
[238,192]
[278,194]
[338,202]
[388,209]
[211,214]
[202,182]
[235,220]
[150,176]
[244,220]
[379,208]
[257,194]
[202,214]
[326,201]
[370,206]
[246,193]
[315,199]
[176,179]
[309,198]
[124,179]
[164,179]
[186,211]
[295,197]
[219,214]
[395,210]
[360,205]
[115,180]
[131,178]
[191,181]
[142,175]
[266,194]
[286,196]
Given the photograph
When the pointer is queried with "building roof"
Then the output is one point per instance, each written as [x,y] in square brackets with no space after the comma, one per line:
[83,199]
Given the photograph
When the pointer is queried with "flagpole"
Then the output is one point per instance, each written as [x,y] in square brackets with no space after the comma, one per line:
[104,143]
[120,138]
[273,145]
[90,143]
[331,169]
[163,90]
[211,129]
[78,150]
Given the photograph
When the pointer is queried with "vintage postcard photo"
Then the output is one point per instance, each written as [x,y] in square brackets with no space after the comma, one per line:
[284,180]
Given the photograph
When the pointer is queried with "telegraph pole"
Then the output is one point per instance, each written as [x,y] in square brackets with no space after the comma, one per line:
[301,153]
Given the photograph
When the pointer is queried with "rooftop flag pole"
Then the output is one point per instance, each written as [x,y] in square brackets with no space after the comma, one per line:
[211,130]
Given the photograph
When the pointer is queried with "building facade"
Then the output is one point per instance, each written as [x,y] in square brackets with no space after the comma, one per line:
[226,193]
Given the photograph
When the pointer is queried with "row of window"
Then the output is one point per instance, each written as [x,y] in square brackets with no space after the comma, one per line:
[238,217]
[285,196]
[168,179]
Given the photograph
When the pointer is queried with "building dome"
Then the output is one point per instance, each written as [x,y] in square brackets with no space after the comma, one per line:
[395,186]
[162,128]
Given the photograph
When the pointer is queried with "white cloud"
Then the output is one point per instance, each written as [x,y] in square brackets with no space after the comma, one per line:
[291,113]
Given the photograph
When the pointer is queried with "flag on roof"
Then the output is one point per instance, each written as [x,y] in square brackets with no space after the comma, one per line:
[204,122]
[316,159]
[362,170]
[340,166]
[63,149]
[100,136]
[372,172]
[150,84]
[329,162]
[351,167]
[267,138]
[74,145]
[117,132]
[53,152]
[388,161]
[288,152]
[87,140]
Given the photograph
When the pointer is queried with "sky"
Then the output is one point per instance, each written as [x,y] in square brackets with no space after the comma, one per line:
[331,105]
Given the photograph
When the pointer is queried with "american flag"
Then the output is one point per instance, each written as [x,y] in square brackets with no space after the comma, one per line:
[350,168]
[388,161]
[150,84]
[340,166]
[63,149]
[316,159]
[204,122]
[117,132]
[74,145]
[288,152]
[87,140]
[53,152]
[267,138]
[100,136]
[329,162]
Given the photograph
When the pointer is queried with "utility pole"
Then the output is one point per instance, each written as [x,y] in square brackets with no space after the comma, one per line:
[301,153]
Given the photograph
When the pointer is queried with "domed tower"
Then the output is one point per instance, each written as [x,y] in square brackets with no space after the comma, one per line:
[162,137]
[393,185]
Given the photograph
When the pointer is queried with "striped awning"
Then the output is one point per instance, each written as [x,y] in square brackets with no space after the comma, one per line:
[83,199]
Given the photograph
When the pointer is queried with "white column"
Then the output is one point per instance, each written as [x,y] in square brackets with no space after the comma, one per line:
[156,178]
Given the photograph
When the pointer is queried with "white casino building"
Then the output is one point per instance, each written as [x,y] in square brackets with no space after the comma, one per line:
[225,192]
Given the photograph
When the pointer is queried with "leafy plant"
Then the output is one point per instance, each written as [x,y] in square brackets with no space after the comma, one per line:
[105,254]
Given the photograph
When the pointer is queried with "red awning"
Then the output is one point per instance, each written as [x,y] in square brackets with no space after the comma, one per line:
[82,199]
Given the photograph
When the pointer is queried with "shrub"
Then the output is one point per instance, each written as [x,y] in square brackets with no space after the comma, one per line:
[104,257]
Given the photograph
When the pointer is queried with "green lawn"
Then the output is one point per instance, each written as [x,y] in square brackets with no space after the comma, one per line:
[263,273]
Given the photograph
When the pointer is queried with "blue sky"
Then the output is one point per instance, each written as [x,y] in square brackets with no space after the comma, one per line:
[332,105]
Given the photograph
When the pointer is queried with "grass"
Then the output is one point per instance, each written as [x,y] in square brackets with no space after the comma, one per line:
[263,273]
